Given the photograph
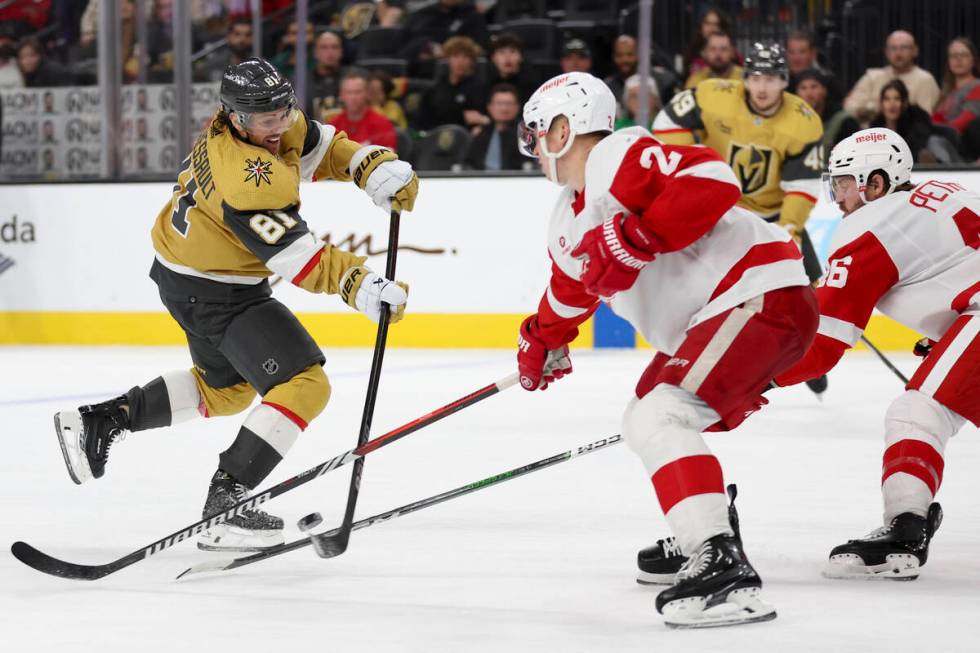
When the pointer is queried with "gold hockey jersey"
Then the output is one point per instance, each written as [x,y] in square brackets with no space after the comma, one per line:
[234,214]
[777,160]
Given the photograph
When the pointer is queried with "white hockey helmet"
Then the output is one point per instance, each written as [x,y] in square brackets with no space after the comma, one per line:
[866,151]
[583,99]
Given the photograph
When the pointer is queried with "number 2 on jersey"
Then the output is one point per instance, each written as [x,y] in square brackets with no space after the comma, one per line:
[667,164]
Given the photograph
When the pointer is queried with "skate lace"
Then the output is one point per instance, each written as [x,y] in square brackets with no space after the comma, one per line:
[670,547]
[115,435]
[696,564]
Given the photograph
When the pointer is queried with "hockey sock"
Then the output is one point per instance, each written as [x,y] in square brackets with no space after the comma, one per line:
[166,400]
[265,437]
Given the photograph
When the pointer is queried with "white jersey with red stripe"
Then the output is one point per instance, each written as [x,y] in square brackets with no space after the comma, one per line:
[913,254]
[714,256]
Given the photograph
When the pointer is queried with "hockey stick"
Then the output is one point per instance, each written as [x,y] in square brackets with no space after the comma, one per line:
[884,360]
[334,543]
[44,563]
[225,565]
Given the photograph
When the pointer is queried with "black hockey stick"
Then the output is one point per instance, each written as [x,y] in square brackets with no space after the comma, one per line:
[334,543]
[225,565]
[884,360]
[43,562]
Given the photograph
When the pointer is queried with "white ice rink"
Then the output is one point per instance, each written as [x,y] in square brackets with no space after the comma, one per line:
[541,563]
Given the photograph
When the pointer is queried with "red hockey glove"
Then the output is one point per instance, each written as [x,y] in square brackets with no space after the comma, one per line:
[923,347]
[537,364]
[615,252]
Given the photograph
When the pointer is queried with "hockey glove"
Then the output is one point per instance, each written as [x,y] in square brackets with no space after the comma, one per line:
[379,173]
[614,253]
[364,290]
[537,364]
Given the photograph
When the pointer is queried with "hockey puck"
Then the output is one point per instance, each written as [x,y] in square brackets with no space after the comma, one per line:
[308,523]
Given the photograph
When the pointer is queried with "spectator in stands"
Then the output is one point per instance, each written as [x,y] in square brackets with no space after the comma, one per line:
[910,121]
[507,65]
[713,20]
[631,102]
[37,69]
[380,88]
[576,57]
[389,13]
[625,59]
[361,122]
[457,95]
[160,42]
[901,52]
[959,104]
[285,60]
[801,54]
[325,74]
[10,76]
[445,18]
[494,146]
[812,86]
[239,47]
[719,55]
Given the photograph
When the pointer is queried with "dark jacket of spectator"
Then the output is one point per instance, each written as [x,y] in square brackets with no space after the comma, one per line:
[444,103]
[510,158]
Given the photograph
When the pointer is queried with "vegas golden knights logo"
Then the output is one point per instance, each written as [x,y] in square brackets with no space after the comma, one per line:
[751,165]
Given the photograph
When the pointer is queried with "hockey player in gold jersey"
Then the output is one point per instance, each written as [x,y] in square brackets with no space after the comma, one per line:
[770,137]
[232,222]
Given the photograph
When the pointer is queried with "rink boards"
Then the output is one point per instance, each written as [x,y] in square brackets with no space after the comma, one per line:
[74,260]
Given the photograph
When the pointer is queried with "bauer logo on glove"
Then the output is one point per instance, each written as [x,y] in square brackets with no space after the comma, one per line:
[380,174]
[362,289]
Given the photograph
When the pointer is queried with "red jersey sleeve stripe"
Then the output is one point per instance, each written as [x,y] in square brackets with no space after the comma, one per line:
[312,263]
[807,196]
[963,300]
[761,254]
[679,130]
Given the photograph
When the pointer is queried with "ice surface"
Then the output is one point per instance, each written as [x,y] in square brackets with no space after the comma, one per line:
[542,563]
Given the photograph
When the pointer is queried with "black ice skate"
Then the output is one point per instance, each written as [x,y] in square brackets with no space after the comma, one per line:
[716,587]
[86,434]
[660,563]
[818,386]
[250,530]
[894,552]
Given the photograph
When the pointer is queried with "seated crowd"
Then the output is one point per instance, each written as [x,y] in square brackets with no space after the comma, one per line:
[397,73]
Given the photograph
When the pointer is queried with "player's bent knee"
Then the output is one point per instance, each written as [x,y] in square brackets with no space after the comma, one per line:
[653,416]
[305,395]
[224,401]
[918,415]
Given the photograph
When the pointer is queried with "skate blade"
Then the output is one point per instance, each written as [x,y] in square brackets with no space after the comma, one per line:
[647,578]
[741,606]
[848,566]
[68,427]
[225,537]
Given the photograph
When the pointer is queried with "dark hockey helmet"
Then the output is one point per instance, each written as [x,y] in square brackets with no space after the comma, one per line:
[255,86]
[766,59]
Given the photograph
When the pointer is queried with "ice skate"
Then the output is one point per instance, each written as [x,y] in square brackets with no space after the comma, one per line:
[716,587]
[894,552]
[250,530]
[659,564]
[818,386]
[86,434]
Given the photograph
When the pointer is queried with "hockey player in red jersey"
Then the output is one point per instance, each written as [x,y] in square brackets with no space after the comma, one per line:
[653,230]
[911,251]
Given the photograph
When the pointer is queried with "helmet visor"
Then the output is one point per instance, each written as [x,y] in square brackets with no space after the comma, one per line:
[835,187]
[527,139]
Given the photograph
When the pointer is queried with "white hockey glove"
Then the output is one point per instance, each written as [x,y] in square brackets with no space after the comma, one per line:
[379,173]
[364,290]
